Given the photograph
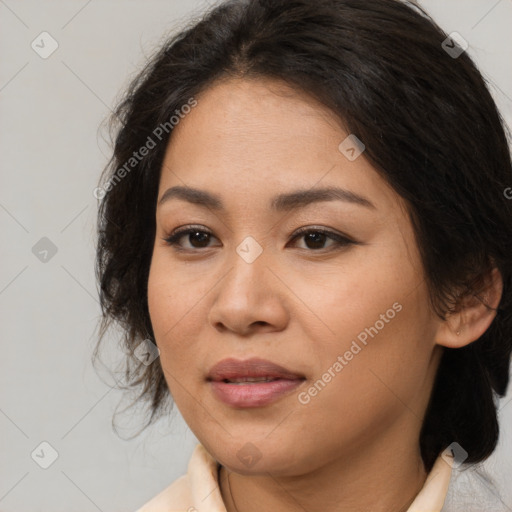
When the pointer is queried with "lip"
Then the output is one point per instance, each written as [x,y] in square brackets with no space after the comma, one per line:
[251,394]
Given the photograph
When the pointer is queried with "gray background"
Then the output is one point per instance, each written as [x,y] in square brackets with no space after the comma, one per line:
[51,156]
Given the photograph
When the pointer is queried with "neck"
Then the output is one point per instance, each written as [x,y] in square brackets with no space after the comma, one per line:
[383,479]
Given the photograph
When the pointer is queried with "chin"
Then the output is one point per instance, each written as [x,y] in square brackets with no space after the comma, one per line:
[258,457]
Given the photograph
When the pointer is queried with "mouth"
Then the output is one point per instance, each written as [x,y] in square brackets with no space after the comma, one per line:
[248,380]
[251,383]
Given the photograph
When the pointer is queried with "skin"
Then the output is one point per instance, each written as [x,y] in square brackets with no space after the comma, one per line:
[296,305]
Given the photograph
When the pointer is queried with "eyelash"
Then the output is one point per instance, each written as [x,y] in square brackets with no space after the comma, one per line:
[340,240]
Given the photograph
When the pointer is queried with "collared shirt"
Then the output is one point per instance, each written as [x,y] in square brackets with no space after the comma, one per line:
[198,490]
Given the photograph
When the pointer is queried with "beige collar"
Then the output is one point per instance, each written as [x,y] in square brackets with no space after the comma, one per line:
[206,497]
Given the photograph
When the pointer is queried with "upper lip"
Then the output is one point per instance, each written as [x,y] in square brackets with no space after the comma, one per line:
[229,369]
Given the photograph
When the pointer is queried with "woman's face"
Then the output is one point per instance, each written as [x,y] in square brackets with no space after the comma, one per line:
[349,319]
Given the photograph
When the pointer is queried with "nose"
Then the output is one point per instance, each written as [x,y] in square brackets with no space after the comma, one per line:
[249,298]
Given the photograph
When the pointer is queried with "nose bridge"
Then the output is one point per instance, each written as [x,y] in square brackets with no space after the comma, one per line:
[245,296]
[248,265]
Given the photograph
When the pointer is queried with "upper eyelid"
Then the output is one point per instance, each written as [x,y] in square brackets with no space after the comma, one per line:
[185,229]
[333,234]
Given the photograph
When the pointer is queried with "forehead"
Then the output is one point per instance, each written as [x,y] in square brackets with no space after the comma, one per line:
[259,137]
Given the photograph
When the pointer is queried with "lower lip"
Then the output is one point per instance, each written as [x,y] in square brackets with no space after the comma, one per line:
[256,394]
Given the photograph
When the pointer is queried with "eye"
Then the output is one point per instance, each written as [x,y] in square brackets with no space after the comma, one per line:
[197,237]
[315,238]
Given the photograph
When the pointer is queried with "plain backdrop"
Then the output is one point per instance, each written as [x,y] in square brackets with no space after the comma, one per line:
[51,156]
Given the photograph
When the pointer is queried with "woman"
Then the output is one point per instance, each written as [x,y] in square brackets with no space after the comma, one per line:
[306,213]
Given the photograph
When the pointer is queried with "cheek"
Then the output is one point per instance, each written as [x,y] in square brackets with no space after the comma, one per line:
[172,294]
[167,304]
[358,390]
[159,301]
[177,316]
[376,351]
[362,288]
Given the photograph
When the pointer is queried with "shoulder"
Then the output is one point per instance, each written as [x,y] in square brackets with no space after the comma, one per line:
[198,488]
[175,497]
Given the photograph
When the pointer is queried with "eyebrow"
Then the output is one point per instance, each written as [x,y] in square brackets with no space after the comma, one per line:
[280,203]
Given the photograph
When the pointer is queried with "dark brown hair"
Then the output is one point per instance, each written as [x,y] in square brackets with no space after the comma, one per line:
[430,127]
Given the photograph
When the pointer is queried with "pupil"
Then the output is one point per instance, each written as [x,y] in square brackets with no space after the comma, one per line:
[202,237]
[315,238]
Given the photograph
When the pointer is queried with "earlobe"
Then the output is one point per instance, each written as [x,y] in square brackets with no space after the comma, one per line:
[473,316]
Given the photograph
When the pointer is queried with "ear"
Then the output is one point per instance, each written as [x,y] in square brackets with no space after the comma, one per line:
[474,314]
